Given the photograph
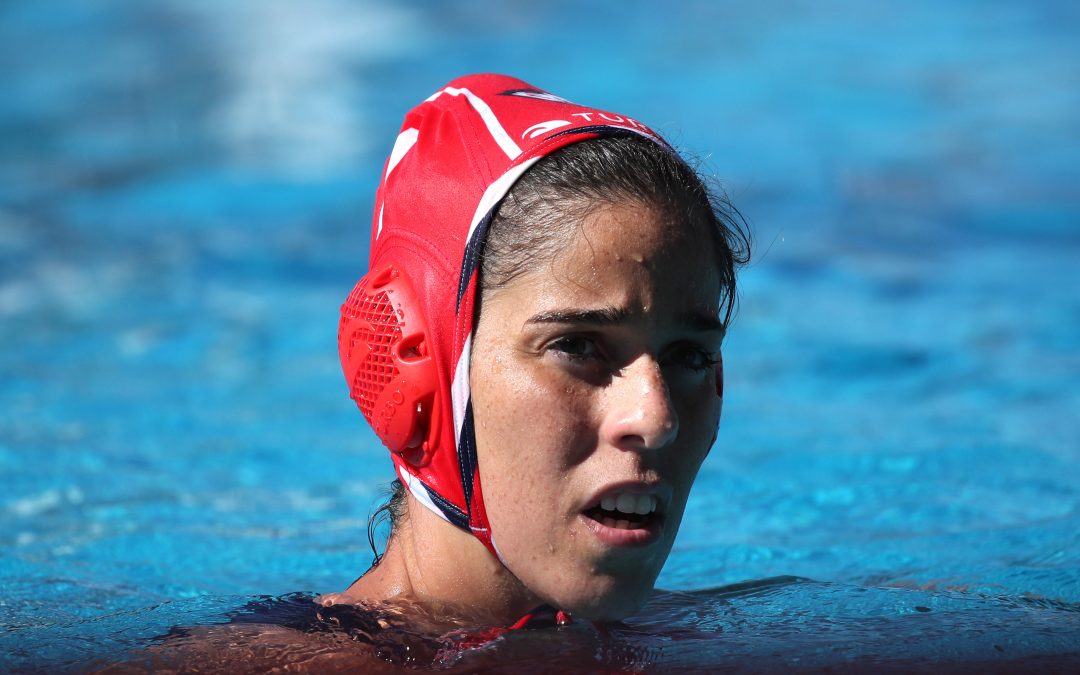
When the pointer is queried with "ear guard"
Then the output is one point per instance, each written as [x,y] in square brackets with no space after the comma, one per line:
[386,356]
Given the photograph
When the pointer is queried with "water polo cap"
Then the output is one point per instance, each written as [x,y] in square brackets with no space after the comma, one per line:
[406,328]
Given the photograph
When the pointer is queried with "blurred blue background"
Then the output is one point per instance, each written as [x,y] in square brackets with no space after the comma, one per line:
[185,198]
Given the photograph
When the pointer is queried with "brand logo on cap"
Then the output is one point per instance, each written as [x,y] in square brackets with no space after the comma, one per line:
[544,127]
[538,94]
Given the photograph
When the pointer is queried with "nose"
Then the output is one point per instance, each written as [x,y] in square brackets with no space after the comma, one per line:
[640,414]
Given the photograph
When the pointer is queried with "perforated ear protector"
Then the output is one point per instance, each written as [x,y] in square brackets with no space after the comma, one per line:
[388,363]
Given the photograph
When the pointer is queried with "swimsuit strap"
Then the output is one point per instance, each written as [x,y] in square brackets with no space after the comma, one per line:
[544,616]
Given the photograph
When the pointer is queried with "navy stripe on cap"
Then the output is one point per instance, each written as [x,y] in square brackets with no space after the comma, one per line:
[472,254]
[452,513]
[467,454]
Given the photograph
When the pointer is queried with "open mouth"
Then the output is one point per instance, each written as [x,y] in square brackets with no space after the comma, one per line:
[626,511]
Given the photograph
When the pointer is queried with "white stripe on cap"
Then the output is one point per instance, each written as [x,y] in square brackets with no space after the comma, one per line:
[459,388]
[405,141]
[494,127]
[418,490]
[495,192]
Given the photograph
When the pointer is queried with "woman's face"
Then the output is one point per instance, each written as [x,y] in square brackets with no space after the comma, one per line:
[594,396]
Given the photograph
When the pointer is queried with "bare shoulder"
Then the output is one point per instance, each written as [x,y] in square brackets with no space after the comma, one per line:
[231,648]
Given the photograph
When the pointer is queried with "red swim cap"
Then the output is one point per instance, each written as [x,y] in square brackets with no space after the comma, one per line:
[405,330]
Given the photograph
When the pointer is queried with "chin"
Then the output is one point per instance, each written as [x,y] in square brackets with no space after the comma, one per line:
[612,608]
[611,589]
[617,601]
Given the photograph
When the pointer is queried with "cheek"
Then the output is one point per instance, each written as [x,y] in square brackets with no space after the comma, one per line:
[531,430]
[699,415]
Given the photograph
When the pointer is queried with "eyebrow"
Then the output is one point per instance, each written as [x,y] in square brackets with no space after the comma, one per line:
[703,322]
[698,321]
[605,316]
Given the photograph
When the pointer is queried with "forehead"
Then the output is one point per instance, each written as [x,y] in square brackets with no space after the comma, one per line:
[631,255]
[646,231]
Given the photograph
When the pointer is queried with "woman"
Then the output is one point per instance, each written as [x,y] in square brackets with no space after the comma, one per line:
[537,342]
[538,345]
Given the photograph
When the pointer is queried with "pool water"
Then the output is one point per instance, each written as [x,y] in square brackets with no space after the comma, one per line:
[185,197]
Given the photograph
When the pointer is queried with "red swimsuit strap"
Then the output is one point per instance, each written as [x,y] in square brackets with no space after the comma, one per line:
[544,616]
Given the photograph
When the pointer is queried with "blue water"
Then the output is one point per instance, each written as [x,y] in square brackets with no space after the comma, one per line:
[185,196]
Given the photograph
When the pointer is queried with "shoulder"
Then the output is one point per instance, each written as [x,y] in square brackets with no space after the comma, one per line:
[289,632]
[230,648]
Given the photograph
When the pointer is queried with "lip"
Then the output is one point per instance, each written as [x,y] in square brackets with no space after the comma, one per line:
[641,536]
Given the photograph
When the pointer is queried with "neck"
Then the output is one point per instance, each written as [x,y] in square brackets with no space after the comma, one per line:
[433,563]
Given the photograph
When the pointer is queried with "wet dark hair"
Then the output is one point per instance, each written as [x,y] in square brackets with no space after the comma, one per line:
[392,510]
[542,211]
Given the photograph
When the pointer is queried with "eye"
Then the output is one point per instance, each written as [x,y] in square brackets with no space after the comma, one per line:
[574,347]
[692,357]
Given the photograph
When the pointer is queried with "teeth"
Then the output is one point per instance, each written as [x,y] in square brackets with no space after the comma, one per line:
[626,502]
[645,505]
